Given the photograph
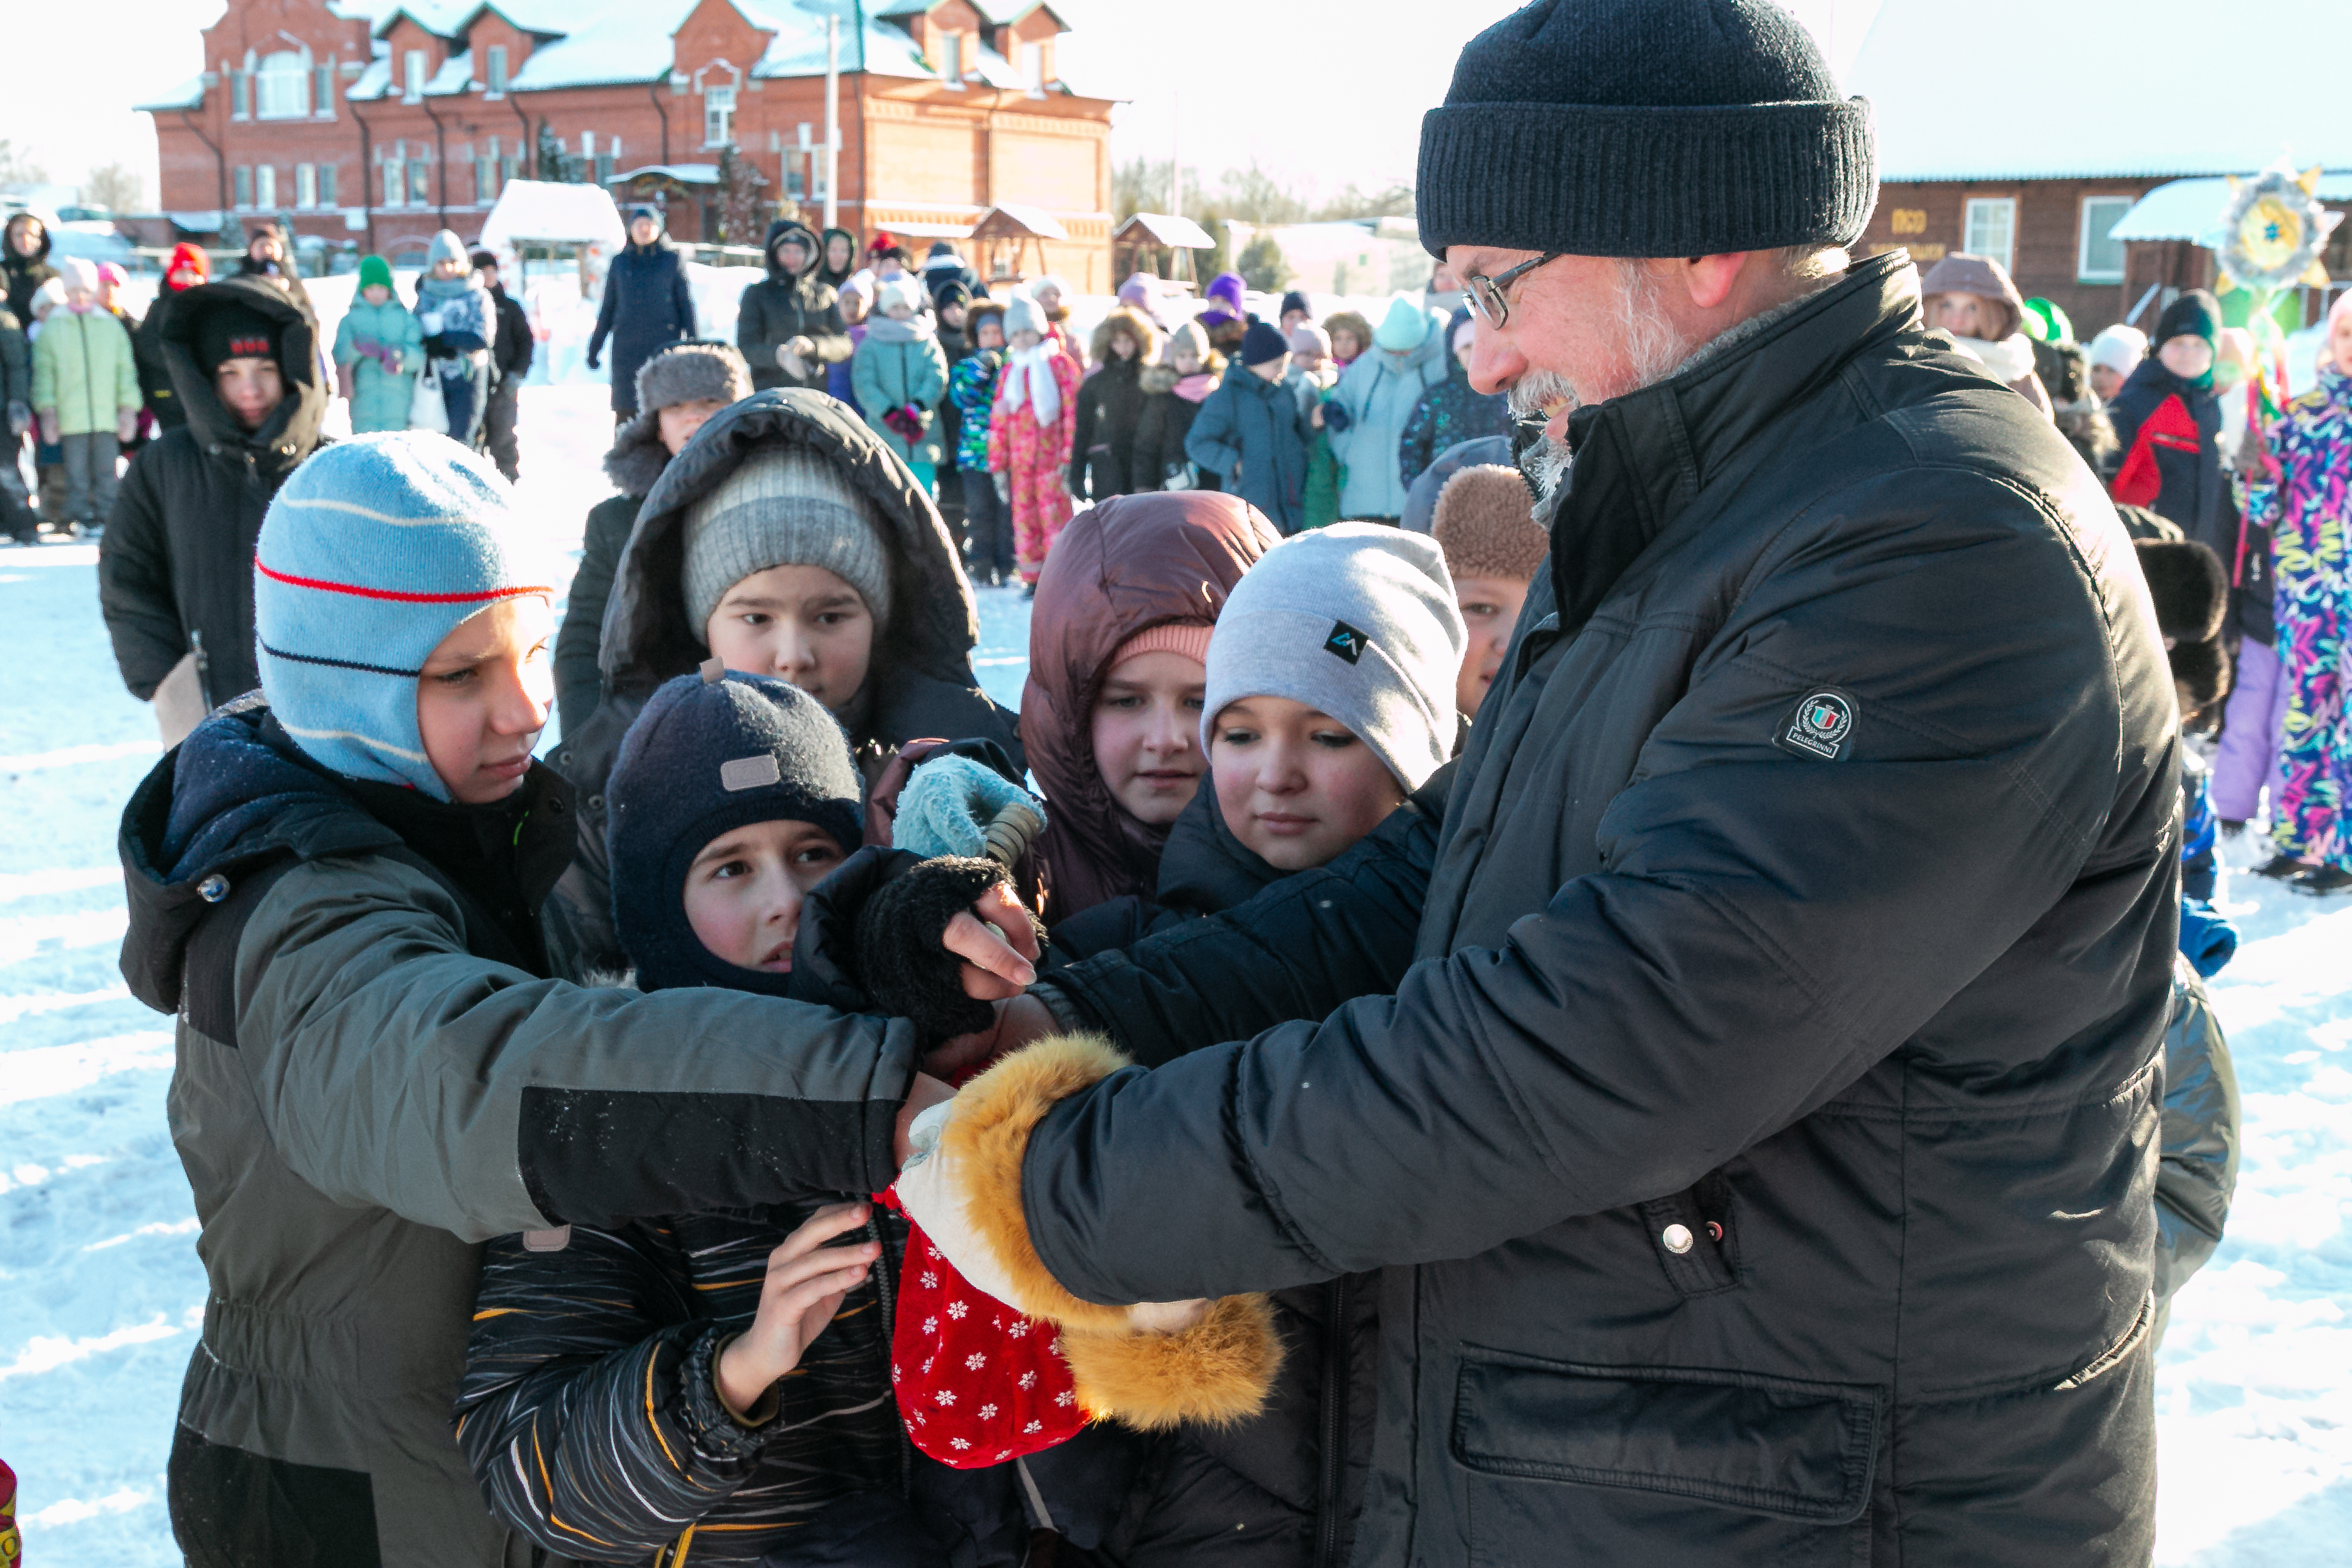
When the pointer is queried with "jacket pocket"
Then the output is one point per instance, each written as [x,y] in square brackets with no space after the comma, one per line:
[1793,1450]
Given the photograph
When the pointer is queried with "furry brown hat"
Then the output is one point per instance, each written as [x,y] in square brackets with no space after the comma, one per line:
[1341,321]
[1136,325]
[699,369]
[1486,524]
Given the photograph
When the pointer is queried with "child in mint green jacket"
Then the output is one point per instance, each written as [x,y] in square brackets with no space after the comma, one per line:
[379,349]
[86,394]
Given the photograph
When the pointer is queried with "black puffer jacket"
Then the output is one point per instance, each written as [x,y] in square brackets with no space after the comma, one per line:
[175,566]
[781,306]
[919,684]
[1159,432]
[1102,449]
[2198,1171]
[1759,1156]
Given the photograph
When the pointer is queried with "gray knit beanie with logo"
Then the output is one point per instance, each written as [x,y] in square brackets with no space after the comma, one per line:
[1357,621]
[784,507]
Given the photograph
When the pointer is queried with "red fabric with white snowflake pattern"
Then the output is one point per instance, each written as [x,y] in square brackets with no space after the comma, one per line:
[978,1383]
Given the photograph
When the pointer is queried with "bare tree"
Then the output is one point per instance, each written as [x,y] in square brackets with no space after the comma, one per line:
[115,187]
[17,167]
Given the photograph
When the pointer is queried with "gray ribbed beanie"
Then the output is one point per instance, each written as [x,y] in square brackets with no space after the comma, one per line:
[784,507]
[1357,621]
[1645,128]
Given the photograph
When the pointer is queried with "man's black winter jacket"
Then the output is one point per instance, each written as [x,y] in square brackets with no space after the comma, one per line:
[1760,1152]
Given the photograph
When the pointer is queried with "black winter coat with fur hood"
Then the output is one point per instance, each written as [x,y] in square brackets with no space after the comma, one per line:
[781,307]
[920,683]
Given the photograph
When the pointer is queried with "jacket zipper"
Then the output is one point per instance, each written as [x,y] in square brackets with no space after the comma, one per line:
[1334,1457]
[890,1330]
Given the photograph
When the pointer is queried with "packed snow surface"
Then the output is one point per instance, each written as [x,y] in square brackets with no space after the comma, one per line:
[101,1294]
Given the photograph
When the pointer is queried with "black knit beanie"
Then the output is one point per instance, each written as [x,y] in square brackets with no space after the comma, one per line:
[2195,314]
[710,753]
[228,330]
[1263,342]
[1645,128]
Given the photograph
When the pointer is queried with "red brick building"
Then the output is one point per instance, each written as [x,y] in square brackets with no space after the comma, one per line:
[376,122]
[2035,157]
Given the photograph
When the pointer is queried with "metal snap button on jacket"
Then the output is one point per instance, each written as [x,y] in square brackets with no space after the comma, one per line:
[1677,1239]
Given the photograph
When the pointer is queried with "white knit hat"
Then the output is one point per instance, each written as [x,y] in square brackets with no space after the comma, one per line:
[2119,347]
[1357,621]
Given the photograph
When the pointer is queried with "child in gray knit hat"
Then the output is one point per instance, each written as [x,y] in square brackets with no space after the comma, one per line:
[785,573]
[1330,689]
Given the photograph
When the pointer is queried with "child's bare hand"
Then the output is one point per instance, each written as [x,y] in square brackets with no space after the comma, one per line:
[807,1280]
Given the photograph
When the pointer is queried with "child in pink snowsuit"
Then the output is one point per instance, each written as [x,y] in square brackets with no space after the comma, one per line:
[1030,430]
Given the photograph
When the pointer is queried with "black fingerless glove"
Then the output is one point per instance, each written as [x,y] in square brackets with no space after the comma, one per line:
[906,970]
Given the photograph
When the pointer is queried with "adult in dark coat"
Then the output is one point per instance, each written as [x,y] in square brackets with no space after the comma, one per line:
[646,304]
[510,355]
[23,267]
[791,314]
[175,565]
[1758,1156]
[2167,421]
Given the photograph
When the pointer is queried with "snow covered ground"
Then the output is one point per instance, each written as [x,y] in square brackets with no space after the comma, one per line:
[100,1291]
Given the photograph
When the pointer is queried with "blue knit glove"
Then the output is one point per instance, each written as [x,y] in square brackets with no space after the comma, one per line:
[947,806]
[2207,940]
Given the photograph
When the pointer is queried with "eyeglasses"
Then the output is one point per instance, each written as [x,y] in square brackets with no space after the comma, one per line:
[1485,294]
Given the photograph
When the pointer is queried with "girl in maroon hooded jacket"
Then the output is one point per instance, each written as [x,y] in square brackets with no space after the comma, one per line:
[1110,717]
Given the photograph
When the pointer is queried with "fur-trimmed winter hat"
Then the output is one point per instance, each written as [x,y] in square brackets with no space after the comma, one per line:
[1486,524]
[783,506]
[702,368]
[1357,621]
[374,549]
[714,751]
[2191,592]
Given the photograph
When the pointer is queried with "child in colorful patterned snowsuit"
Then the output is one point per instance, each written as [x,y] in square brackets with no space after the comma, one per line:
[971,389]
[2308,506]
[1030,431]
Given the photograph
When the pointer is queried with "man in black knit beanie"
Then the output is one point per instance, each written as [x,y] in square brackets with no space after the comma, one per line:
[1758,1156]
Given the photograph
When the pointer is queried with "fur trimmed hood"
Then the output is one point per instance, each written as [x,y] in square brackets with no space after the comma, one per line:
[683,373]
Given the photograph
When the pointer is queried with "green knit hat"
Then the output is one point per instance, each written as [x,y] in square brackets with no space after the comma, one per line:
[375,269]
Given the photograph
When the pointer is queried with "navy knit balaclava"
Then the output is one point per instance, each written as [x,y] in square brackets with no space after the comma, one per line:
[1645,128]
[712,752]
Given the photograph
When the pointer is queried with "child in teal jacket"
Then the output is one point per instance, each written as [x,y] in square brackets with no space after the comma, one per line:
[379,349]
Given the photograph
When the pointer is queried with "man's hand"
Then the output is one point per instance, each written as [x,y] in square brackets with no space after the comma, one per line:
[997,944]
[1018,1022]
[807,1280]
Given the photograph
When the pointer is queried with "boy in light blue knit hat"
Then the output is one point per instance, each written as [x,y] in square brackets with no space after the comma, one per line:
[375,552]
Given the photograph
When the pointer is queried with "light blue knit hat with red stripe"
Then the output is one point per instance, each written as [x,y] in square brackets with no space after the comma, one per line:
[375,550]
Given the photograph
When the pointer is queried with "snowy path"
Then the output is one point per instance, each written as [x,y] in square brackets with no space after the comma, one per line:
[101,1290]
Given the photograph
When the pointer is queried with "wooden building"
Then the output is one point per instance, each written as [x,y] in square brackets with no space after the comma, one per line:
[2036,160]
[377,123]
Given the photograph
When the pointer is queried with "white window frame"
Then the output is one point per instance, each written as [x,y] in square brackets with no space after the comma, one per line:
[306,186]
[322,91]
[2097,232]
[1993,213]
[494,70]
[415,74]
[420,183]
[719,117]
[395,183]
[326,185]
[242,184]
[241,95]
[1032,67]
[264,186]
[951,58]
[282,87]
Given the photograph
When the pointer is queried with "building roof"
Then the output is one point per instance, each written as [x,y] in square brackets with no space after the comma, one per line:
[189,94]
[2100,109]
[1164,229]
[543,210]
[2191,209]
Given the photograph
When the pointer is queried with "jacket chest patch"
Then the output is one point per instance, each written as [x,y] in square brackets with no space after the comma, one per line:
[1818,727]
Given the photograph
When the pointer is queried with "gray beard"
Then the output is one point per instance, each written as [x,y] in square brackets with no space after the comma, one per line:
[1653,352]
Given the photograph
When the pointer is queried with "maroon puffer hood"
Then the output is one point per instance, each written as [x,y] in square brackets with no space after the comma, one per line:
[1128,565]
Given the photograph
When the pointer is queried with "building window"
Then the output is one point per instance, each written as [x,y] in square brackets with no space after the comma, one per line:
[322,90]
[2099,259]
[1991,229]
[284,85]
[306,184]
[486,181]
[326,185]
[264,186]
[951,56]
[240,96]
[418,185]
[494,73]
[244,184]
[717,116]
[395,184]
[415,75]
[1033,66]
